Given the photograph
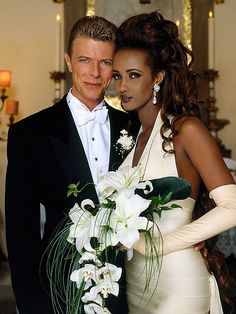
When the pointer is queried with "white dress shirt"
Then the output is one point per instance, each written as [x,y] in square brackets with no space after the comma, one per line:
[95,136]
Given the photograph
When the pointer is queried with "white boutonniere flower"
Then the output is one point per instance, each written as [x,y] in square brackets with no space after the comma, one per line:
[124,143]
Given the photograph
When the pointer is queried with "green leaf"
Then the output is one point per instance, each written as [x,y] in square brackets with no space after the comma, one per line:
[71,192]
[176,206]
[73,189]
[166,208]
[167,198]
[73,185]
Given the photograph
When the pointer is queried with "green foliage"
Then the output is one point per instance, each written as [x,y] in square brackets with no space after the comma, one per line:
[73,188]
[173,188]
[165,190]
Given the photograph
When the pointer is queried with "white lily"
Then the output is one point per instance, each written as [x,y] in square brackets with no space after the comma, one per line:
[81,228]
[100,230]
[126,221]
[94,308]
[92,295]
[110,274]
[125,178]
[87,273]
[105,287]
[110,271]
[90,256]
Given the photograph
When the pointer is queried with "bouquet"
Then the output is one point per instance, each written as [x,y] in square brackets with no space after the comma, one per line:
[82,256]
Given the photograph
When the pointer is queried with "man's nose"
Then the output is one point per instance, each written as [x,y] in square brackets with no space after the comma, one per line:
[95,69]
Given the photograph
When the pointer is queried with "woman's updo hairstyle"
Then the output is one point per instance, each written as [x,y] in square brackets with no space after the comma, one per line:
[159,38]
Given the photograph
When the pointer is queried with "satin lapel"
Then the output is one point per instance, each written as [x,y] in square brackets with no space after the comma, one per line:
[69,149]
[118,122]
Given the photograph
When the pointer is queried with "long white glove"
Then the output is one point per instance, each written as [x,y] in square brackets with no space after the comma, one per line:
[219,219]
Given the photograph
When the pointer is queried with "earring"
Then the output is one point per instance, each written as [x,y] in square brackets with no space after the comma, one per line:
[156,89]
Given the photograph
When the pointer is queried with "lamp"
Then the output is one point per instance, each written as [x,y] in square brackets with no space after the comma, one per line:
[11,110]
[11,105]
[5,81]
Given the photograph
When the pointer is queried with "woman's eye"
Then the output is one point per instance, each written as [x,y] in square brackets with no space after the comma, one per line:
[115,76]
[133,75]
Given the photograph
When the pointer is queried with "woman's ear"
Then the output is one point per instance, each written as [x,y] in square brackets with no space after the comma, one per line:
[68,62]
[159,77]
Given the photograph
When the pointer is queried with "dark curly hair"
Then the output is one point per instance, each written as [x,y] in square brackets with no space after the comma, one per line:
[160,39]
[178,97]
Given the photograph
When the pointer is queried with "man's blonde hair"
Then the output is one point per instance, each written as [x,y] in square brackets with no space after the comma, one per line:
[94,27]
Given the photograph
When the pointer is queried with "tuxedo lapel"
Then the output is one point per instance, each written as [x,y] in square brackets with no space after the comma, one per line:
[118,121]
[116,125]
[69,149]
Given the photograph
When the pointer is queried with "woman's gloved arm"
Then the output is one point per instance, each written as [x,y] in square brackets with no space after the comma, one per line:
[219,219]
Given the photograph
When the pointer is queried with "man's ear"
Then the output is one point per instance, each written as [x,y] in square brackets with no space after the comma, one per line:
[68,62]
[159,77]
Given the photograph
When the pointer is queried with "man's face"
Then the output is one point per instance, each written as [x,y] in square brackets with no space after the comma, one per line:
[91,66]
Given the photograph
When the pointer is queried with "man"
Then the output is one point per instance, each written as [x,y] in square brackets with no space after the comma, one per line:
[69,142]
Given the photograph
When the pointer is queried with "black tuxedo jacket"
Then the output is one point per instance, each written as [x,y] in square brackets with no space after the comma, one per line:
[45,155]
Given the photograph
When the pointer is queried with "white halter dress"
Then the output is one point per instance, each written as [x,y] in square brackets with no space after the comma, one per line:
[184,285]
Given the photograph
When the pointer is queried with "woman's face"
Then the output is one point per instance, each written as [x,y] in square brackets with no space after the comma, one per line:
[133,80]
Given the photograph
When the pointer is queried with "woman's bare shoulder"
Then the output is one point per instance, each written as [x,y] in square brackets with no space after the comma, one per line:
[203,151]
[190,124]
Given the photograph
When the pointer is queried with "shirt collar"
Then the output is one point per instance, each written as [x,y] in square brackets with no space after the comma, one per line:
[75,103]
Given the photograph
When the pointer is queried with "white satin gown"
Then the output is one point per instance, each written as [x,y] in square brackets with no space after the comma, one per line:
[184,286]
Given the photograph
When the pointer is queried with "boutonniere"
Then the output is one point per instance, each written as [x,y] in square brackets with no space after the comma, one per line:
[124,143]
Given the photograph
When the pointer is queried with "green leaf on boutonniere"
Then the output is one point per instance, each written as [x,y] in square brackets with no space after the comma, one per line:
[73,189]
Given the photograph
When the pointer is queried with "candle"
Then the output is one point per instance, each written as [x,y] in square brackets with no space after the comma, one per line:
[12,107]
[211,41]
[5,78]
[58,43]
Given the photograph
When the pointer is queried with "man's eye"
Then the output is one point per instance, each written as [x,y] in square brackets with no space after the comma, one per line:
[115,76]
[107,62]
[83,60]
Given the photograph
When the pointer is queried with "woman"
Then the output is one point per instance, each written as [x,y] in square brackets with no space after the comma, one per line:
[152,76]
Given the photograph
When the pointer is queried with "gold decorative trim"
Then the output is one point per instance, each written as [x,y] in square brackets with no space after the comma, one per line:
[113,101]
[90,7]
[187,23]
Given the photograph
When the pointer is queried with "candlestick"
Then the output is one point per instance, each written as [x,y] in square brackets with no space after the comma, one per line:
[211,41]
[58,43]
[57,77]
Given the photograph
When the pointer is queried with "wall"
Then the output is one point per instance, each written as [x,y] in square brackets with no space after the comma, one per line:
[28,48]
[225,29]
